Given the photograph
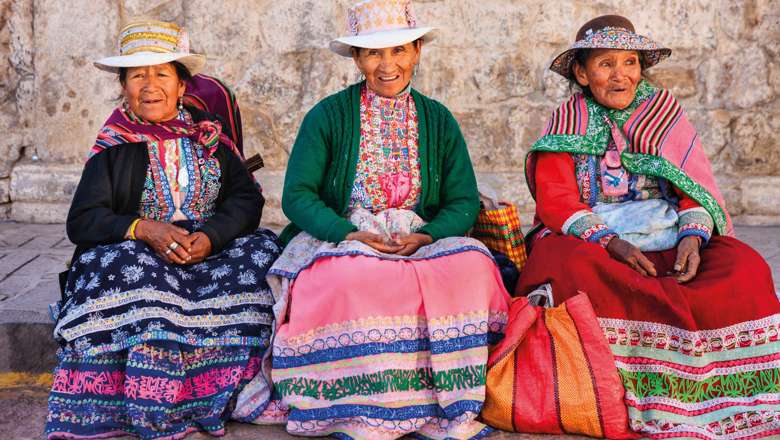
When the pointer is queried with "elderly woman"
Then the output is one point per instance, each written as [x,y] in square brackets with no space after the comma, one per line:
[166,313]
[628,211]
[385,310]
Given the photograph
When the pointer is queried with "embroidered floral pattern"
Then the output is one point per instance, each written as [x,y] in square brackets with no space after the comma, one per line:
[388,167]
[696,222]
[199,188]
[150,390]
[611,38]
[655,169]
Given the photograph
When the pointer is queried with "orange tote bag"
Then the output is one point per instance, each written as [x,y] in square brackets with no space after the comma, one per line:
[553,373]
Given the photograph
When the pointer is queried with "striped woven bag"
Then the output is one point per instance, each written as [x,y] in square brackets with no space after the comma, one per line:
[553,373]
[499,229]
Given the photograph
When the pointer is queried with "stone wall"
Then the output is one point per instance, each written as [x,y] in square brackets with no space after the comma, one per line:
[488,67]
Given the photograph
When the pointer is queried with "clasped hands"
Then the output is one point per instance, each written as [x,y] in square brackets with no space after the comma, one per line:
[685,266]
[172,243]
[403,245]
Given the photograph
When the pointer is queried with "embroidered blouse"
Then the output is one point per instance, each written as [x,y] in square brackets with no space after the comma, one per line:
[388,166]
[181,182]
[573,185]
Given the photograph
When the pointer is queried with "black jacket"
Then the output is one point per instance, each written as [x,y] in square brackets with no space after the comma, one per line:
[108,197]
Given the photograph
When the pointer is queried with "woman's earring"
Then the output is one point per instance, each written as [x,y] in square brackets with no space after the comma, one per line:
[181,104]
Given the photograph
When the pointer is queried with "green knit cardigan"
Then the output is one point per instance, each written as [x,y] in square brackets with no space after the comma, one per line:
[321,170]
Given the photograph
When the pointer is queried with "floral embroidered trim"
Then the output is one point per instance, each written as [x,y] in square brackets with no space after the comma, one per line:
[645,385]
[574,218]
[744,425]
[382,382]
[596,139]
[696,222]
[691,343]
[589,227]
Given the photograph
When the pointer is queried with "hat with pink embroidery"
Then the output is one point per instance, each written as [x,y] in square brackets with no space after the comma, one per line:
[376,24]
[609,32]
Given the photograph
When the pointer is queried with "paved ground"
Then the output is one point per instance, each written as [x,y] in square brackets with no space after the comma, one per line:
[31,256]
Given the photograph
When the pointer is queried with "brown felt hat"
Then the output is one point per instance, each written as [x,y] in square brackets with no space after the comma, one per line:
[609,32]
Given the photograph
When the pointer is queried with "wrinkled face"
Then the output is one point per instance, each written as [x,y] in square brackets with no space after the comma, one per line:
[152,92]
[612,76]
[389,70]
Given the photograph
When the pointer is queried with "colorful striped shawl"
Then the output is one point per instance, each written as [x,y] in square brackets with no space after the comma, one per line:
[124,127]
[212,95]
[661,143]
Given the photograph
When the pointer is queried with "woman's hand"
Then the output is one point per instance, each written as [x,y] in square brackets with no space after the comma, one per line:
[161,237]
[688,259]
[376,241]
[626,252]
[200,247]
[412,242]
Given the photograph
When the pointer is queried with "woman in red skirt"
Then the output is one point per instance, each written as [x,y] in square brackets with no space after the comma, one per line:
[628,211]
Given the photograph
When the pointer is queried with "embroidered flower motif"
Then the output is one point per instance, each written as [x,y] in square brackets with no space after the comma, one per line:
[221,272]
[94,282]
[132,274]
[108,258]
[82,344]
[155,326]
[118,335]
[127,245]
[247,278]
[260,258]
[87,257]
[147,260]
[207,289]
[236,252]
[183,274]
[80,283]
[172,281]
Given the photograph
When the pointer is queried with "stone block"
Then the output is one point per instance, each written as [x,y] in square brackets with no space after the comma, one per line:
[680,81]
[26,346]
[39,212]
[760,196]
[714,129]
[42,182]
[5,190]
[753,147]
[738,79]
[272,182]
[731,189]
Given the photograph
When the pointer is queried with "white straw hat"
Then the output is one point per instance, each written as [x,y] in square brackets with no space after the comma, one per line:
[376,24]
[152,42]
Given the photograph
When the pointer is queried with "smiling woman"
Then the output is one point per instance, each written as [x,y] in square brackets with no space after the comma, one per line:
[153,92]
[627,201]
[386,310]
[165,313]
[388,70]
[610,75]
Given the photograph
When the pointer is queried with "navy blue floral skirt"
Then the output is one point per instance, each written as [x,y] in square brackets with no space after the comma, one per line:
[156,349]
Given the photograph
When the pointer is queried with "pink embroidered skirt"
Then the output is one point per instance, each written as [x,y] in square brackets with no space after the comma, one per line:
[377,347]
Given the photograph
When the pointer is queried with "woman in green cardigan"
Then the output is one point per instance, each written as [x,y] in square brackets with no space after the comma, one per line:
[385,310]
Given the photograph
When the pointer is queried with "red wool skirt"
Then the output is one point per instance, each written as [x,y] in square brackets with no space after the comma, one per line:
[700,359]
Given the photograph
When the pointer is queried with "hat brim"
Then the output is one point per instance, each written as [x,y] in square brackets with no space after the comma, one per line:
[562,63]
[378,40]
[193,62]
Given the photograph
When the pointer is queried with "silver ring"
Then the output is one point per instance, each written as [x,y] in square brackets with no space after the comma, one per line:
[173,246]
[168,251]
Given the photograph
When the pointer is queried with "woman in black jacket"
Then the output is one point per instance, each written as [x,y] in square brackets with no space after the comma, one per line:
[165,313]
